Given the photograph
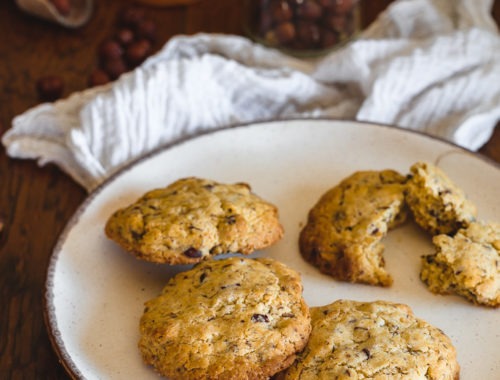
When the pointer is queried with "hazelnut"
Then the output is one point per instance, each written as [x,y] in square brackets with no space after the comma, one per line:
[309,10]
[304,24]
[137,51]
[308,33]
[49,88]
[110,50]
[124,36]
[328,38]
[327,3]
[114,67]
[344,6]
[98,77]
[336,22]
[285,32]
[146,29]
[280,11]
[62,6]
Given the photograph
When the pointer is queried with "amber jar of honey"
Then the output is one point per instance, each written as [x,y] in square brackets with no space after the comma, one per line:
[303,27]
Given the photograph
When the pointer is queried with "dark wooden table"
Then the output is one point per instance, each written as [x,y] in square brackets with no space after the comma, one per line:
[36,203]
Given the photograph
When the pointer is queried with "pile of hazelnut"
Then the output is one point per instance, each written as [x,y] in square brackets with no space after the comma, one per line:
[303,24]
[131,43]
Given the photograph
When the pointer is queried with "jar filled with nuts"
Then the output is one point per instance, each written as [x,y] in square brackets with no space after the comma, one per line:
[303,27]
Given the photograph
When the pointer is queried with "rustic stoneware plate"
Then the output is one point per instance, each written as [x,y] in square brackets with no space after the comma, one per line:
[95,291]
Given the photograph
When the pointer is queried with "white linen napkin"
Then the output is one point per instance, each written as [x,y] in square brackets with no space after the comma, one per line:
[427,65]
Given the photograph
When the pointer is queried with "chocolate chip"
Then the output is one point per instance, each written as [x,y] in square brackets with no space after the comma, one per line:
[193,253]
[339,215]
[230,286]
[260,318]
[136,235]
[231,219]
[367,353]
[430,259]
[202,277]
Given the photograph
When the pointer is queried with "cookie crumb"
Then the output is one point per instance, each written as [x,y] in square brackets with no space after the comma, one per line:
[345,227]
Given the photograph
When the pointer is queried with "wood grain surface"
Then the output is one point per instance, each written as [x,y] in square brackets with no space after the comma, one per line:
[36,202]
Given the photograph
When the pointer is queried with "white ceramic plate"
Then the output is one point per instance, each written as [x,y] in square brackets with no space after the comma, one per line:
[95,291]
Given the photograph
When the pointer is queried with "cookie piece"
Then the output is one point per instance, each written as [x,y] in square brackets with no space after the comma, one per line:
[373,340]
[235,318]
[344,229]
[467,264]
[193,219]
[438,205]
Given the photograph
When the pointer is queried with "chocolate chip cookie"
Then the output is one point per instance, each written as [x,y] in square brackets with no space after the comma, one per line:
[467,264]
[438,205]
[233,318]
[194,219]
[344,229]
[373,340]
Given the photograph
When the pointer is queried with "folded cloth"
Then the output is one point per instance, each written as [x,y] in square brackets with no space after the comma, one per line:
[427,65]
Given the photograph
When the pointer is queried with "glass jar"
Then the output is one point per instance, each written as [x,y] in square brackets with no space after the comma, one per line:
[303,27]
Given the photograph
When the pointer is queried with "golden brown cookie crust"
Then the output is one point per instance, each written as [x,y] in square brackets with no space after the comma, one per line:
[194,219]
[467,264]
[344,229]
[235,318]
[438,205]
[373,340]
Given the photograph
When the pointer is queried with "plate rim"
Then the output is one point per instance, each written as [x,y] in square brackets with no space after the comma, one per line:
[49,313]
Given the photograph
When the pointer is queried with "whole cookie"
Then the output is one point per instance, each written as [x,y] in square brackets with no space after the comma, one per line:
[235,318]
[344,229]
[193,219]
[467,264]
[373,340]
[438,205]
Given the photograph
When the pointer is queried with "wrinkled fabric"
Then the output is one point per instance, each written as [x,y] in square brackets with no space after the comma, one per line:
[426,65]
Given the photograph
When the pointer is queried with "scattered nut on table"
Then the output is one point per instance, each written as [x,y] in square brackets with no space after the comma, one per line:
[50,88]
[126,48]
